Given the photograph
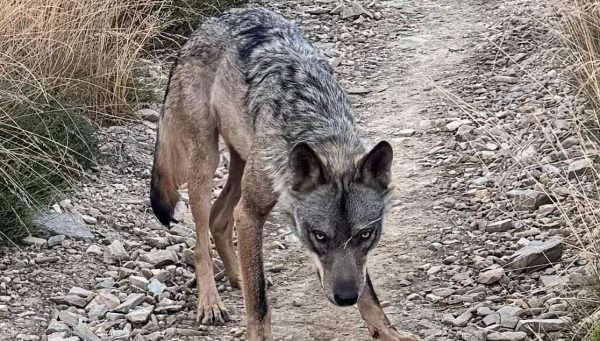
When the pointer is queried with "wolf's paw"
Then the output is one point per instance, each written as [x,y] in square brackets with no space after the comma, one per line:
[211,310]
[390,333]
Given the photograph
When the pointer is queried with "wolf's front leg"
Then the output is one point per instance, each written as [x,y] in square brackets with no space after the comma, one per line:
[378,324]
[250,215]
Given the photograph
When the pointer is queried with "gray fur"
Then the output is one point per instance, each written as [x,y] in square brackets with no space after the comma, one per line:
[251,76]
[292,97]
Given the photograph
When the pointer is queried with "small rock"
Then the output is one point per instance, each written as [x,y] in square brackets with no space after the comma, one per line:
[317,10]
[37,242]
[405,133]
[114,316]
[140,315]
[73,300]
[89,220]
[448,319]
[579,168]
[434,269]
[454,125]
[105,298]
[84,332]
[156,287]
[62,223]
[553,281]
[463,319]
[56,240]
[541,325]
[545,210]
[56,327]
[528,199]
[160,257]
[491,319]
[182,230]
[69,318]
[116,253]
[509,316]
[94,250]
[536,255]
[97,312]
[443,292]
[48,259]
[353,10]
[148,115]
[81,292]
[413,296]
[139,282]
[484,311]
[500,226]
[507,336]
[505,79]
[132,301]
[491,276]
[59,337]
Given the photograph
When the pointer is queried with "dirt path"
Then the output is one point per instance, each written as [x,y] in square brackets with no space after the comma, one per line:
[440,270]
[414,41]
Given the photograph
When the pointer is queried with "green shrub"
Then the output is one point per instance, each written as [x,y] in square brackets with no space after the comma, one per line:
[43,145]
[595,332]
[182,17]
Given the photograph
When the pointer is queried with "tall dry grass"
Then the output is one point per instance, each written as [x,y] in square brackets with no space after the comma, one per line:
[66,65]
[83,51]
[62,62]
[580,31]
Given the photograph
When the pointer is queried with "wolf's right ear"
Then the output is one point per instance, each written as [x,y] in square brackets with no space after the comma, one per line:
[375,167]
[307,169]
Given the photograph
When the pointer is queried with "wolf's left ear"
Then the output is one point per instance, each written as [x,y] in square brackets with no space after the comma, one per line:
[374,168]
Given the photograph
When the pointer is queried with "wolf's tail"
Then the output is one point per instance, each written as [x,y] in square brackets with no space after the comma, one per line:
[168,169]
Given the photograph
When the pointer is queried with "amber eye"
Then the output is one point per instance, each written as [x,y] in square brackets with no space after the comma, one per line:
[319,236]
[365,234]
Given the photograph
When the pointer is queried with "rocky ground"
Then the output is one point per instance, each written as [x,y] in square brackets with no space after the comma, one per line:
[482,238]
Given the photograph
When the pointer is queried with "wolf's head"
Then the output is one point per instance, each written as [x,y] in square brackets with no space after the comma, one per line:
[338,214]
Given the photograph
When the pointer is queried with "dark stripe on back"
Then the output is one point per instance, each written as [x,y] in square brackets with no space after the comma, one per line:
[253,37]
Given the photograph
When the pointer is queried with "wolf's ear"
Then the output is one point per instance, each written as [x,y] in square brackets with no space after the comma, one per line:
[374,168]
[308,170]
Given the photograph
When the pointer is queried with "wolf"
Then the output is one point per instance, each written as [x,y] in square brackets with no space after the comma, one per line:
[250,76]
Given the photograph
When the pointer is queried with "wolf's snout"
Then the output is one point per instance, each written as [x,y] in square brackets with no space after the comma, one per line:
[345,293]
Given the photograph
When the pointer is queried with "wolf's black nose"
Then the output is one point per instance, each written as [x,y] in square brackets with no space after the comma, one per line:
[345,294]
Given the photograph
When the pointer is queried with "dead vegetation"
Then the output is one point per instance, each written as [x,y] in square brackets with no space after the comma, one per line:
[66,65]
[580,30]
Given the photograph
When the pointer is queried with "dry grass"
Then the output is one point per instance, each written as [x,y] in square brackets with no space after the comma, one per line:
[61,63]
[580,31]
[80,50]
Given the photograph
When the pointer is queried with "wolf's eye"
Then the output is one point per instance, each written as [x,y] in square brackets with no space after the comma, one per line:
[365,234]
[319,236]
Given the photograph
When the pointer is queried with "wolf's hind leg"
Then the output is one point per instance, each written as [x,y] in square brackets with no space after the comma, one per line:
[221,218]
[203,164]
